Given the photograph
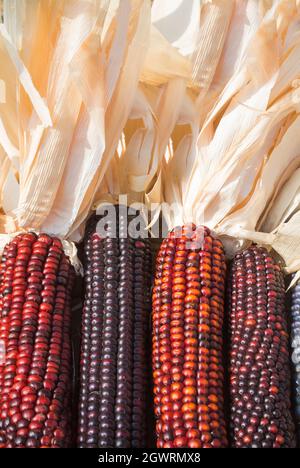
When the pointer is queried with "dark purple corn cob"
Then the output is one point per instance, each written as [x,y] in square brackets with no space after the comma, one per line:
[259,357]
[296,353]
[35,330]
[114,375]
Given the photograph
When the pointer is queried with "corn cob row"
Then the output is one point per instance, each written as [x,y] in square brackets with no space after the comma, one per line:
[188,313]
[296,352]
[141,362]
[259,358]
[115,325]
[35,319]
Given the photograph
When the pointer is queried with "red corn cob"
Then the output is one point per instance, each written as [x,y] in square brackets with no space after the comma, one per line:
[188,310]
[35,316]
[259,359]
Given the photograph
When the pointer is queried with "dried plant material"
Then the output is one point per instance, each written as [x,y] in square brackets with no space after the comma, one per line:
[116,29]
[224,146]
[284,240]
[8,109]
[248,216]
[167,109]
[184,155]
[135,161]
[135,170]
[245,21]
[163,62]
[66,76]
[248,143]
[280,227]
[120,105]
[152,117]
[289,73]
[287,243]
[178,21]
[52,148]
[198,31]
[10,190]
[285,204]
[88,143]
[139,161]
[5,168]
[214,23]
[200,108]
[43,153]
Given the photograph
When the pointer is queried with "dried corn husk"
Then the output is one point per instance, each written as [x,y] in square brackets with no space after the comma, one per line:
[213,150]
[135,169]
[65,75]
[120,103]
[286,203]
[280,224]
[178,21]
[182,159]
[135,160]
[249,132]
[198,30]
[200,108]
[163,62]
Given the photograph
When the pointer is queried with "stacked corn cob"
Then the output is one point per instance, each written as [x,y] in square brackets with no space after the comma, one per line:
[259,358]
[114,378]
[296,352]
[35,315]
[188,311]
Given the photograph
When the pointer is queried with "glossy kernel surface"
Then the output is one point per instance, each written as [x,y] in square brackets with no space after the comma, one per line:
[187,344]
[36,281]
[114,379]
[259,356]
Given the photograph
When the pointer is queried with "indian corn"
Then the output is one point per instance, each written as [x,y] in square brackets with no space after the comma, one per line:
[188,313]
[113,368]
[35,368]
[296,352]
[259,357]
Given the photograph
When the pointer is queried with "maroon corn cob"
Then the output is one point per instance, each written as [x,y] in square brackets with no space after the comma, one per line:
[188,312]
[295,342]
[35,316]
[114,377]
[259,359]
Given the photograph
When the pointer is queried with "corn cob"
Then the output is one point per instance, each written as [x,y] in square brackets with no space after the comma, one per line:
[188,313]
[114,378]
[259,358]
[296,353]
[35,316]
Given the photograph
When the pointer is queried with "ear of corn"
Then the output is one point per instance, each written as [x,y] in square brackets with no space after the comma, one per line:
[296,352]
[35,316]
[259,358]
[114,377]
[188,312]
